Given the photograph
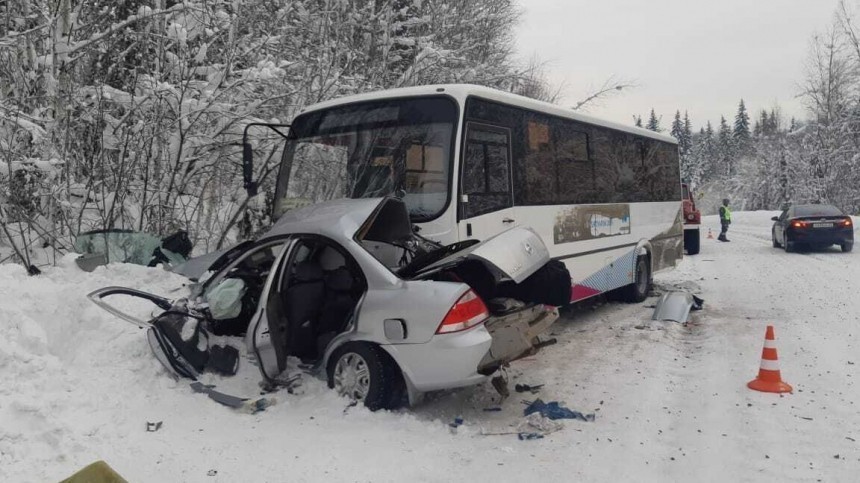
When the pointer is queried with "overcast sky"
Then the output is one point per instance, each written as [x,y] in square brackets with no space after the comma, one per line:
[683,54]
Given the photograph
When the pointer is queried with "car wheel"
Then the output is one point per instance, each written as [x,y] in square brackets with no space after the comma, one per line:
[790,246]
[691,241]
[364,372]
[638,290]
[847,246]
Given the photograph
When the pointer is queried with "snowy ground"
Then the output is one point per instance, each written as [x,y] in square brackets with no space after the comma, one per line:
[77,385]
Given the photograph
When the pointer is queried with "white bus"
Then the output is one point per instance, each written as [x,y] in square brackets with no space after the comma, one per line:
[470,162]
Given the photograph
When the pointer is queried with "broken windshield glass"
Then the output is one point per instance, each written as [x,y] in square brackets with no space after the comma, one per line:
[386,148]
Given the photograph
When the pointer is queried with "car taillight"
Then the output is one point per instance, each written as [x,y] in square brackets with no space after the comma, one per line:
[847,222]
[468,312]
[798,224]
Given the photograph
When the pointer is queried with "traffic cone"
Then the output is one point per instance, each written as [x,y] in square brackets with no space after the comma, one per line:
[769,379]
[710,235]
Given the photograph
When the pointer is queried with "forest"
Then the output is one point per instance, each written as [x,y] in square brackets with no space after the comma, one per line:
[129,114]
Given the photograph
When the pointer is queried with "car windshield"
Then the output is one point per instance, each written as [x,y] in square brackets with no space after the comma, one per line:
[817,210]
[399,147]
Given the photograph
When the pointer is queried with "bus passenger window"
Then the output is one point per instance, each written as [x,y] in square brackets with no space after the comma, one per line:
[486,170]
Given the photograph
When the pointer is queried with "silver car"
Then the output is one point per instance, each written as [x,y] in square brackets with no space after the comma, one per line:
[349,287]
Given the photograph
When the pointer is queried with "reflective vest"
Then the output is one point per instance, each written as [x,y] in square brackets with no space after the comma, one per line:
[725,213]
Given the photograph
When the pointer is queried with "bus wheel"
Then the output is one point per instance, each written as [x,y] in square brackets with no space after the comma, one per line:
[638,290]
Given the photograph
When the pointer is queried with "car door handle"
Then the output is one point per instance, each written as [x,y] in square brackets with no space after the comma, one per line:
[507,220]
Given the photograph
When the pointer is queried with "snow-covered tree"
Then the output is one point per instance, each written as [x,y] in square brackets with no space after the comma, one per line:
[741,133]
[653,123]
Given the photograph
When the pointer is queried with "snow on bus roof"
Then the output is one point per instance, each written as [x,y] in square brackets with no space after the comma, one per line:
[462,91]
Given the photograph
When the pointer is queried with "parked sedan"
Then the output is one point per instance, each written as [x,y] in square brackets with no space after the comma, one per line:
[348,287]
[818,226]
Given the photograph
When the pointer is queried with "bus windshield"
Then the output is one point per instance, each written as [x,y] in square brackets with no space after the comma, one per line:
[393,147]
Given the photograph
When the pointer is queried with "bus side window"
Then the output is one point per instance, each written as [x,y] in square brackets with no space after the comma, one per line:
[486,175]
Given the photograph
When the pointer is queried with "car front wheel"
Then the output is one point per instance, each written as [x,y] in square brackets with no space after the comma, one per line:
[364,372]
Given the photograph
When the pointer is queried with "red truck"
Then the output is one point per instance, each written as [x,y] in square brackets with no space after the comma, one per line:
[692,222]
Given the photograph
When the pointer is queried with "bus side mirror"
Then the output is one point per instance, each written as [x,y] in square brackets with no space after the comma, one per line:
[248,169]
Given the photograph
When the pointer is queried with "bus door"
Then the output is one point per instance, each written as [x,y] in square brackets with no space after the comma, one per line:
[485,192]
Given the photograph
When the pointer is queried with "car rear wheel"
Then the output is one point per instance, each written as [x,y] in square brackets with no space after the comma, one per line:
[847,246]
[638,290]
[790,246]
[364,372]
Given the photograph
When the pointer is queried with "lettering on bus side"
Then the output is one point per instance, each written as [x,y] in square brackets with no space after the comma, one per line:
[587,222]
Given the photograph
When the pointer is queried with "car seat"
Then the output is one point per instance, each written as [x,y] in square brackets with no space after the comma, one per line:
[303,301]
[339,303]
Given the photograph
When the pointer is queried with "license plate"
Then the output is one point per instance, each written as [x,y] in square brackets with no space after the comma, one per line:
[822,225]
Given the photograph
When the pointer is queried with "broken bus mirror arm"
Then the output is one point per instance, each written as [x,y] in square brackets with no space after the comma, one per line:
[248,154]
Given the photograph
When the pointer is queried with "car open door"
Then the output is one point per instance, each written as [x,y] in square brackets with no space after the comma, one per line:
[266,337]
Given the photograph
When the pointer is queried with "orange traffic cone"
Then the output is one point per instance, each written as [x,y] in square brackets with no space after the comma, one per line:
[710,235]
[769,379]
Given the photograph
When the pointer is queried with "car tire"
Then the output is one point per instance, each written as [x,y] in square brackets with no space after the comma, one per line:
[790,246]
[847,246]
[383,388]
[638,290]
[691,241]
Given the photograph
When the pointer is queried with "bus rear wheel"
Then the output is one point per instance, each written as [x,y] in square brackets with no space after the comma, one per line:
[638,290]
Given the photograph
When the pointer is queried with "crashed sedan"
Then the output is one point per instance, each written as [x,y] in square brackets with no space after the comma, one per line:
[349,288]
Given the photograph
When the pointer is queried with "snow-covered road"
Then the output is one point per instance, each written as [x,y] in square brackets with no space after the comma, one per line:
[77,385]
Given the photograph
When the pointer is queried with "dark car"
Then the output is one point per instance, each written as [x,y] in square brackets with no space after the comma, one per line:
[816,226]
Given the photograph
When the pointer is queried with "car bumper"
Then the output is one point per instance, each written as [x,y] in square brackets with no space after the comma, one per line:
[446,361]
[822,236]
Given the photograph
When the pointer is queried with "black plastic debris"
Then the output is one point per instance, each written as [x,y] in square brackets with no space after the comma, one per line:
[527,388]
[153,427]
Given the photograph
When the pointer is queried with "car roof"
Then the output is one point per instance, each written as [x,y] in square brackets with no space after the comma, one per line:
[815,208]
[336,219]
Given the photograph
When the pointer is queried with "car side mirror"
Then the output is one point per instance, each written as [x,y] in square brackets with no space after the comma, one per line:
[775,218]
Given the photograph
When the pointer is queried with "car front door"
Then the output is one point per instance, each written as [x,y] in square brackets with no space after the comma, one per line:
[486,201]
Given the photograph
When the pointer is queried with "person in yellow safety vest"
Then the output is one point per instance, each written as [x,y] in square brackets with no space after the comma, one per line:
[725,220]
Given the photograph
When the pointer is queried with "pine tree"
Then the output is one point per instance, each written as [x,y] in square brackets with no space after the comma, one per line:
[653,122]
[637,120]
[677,130]
[741,134]
[687,138]
[725,149]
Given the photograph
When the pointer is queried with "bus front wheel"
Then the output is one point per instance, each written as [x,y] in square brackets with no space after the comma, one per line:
[638,290]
